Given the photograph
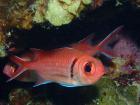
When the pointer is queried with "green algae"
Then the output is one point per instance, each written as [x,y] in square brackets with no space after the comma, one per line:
[2,50]
[2,43]
[108,94]
[112,94]
[19,97]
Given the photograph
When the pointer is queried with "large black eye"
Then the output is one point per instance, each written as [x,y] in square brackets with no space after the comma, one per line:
[88,67]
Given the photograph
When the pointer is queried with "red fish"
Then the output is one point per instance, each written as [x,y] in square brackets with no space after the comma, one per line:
[69,66]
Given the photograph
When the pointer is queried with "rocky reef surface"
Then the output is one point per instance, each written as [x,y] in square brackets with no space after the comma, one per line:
[110,92]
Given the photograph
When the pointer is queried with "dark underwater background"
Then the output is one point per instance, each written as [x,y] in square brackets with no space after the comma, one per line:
[100,22]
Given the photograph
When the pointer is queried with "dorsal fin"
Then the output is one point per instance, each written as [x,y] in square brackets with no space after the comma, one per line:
[86,40]
[85,45]
[101,46]
[109,37]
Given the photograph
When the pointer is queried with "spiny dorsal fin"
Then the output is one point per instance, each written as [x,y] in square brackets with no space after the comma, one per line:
[101,46]
[86,40]
[84,45]
[110,36]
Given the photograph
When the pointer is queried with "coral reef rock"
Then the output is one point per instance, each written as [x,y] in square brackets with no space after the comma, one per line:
[58,12]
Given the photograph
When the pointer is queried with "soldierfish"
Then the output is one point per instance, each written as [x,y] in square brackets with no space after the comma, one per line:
[69,66]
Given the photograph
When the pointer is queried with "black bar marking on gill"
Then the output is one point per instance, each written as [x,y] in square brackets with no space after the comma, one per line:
[72,67]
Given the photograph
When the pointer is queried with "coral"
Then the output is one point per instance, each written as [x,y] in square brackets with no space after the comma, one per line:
[22,14]
[129,87]
[108,94]
[58,12]
[19,14]
[112,94]
[3,24]
[19,97]
[2,38]
[12,14]
[27,99]
[124,61]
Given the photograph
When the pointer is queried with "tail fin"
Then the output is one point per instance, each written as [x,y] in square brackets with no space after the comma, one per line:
[21,67]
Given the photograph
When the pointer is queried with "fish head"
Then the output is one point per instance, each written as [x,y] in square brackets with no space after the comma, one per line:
[88,70]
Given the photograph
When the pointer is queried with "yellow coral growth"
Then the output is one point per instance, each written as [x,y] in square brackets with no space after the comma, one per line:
[20,15]
[58,12]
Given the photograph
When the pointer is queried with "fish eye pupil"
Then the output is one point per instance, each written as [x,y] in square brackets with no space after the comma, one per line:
[88,67]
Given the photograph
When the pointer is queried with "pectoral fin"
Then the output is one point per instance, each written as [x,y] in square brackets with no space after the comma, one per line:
[41,81]
[68,85]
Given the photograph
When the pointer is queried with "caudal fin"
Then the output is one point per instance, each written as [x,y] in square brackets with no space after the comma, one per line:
[21,63]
